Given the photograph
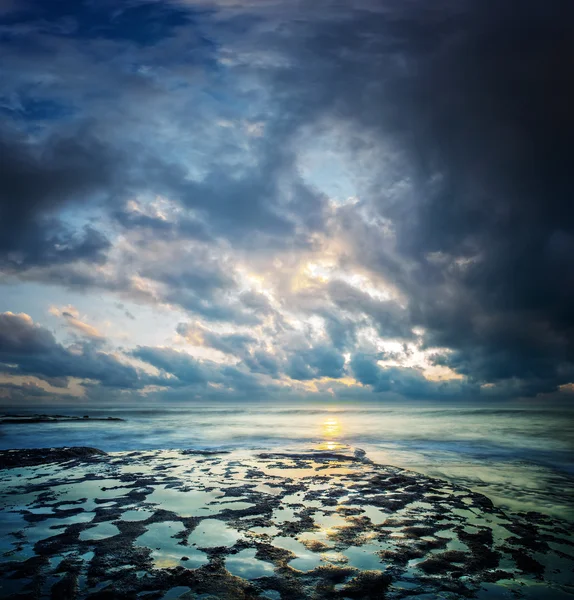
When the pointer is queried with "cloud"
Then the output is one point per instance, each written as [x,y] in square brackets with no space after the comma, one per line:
[316,362]
[37,181]
[388,317]
[464,107]
[71,316]
[234,343]
[180,364]
[27,348]
[182,155]
[406,382]
[219,380]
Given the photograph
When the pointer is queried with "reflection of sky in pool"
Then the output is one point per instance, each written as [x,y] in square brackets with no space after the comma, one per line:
[244,564]
[166,550]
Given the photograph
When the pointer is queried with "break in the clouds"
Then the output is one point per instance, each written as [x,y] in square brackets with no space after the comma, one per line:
[276,199]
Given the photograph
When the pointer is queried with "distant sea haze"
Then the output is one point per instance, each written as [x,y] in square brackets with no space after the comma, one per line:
[522,458]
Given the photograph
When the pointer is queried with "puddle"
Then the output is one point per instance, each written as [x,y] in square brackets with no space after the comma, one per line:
[329,520]
[453,542]
[364,557]
[51,527]
[87,505]
[10,522]
[176,592]
[192,503]
[99,532]
[271,594]
[136,515]
[166,550]
[283,515]
[16,501]
[211,533]
[244,564]
[376,515]
[271,530]
[89,489]
[267,489]
[305,560]
[87,556]
[44,510]
[234,506]
[406,585]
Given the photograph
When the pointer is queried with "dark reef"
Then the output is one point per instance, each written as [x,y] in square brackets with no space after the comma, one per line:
[79,523]
[23,419]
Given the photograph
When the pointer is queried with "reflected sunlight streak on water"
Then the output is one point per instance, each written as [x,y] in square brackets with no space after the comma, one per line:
[331,431]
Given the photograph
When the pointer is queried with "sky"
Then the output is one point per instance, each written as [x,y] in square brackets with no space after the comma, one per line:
[286,200]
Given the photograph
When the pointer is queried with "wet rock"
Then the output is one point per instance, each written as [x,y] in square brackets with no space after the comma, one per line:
[444,562]
[367,586]
[40,456]
[14,419]
[527,564]
[66,588]
[304,526]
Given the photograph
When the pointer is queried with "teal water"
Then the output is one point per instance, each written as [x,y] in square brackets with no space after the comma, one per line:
[521,457]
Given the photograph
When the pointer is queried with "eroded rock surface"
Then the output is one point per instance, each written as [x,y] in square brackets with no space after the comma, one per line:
[168,524]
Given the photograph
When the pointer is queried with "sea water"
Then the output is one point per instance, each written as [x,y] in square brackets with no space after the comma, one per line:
[522,457]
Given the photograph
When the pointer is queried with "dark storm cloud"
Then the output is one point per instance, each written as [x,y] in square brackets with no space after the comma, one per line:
[181,365]
[319,361]
[260,361]
[242,346]
[472,101]
[406,382]
[387,316]
[499,134]
[189,372]
[143,23]
[29,349]
[24,392]
[241,381]
[233,343]
[64,88]
[211,308]
[266,205]
[297,362]
[121,68]
[36,181]
[183,228]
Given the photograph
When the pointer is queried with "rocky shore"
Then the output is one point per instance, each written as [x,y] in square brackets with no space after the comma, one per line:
[79,523]
[23,419]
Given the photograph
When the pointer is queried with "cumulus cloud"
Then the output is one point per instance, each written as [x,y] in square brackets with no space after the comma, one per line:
[180,364]
[27,348]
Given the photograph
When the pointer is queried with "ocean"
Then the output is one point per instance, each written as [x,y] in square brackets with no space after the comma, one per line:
[522,458]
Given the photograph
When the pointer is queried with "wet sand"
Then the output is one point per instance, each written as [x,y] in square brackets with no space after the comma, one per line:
[79,523]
